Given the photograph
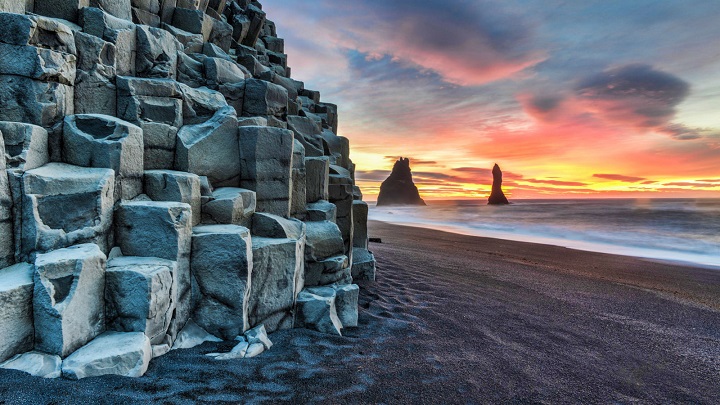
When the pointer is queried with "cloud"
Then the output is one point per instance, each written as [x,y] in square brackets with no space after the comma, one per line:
[413,161]
[556,182]
[691,184]
[372,175]
[620,177]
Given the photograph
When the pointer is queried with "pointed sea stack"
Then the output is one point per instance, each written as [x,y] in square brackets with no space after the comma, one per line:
[399,189]
[497,197]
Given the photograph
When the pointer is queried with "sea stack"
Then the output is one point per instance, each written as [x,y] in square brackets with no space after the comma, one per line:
[497,197]
[399,189]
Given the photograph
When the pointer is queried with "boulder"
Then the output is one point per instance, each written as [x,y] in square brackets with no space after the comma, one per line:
[64,205]
[169,185]
[321,211]
[266,167]
[322,241]
[156,53]
[318,312]
[192,335]
[317,178]
[35,30]
[399,188]
[138,295]
[35,102]
[335,269]
[221,265]
[159,145]
[7,242]
[341,194]
[119,32]
[68,304]
[16,311]
[37,63]
[211,149]
[193,21]
[63,9]
[497,197]
[118,8]
[94,140]
[346,304]
[37,364]
[257,20]
[95,90]
[230,205]
[162,230]
[360,218]
[276,281]
[258,334]
[115,353]
[264,99]
[220,71]
[273,226]
[307,132]
[200,105]
[363,265]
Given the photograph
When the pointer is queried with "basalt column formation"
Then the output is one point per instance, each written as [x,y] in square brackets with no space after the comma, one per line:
[164,181]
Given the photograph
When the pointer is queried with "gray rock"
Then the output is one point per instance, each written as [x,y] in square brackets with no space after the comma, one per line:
[95,90]
[220,71]
[94,140]
[321,211]
[328,271]
[276,281]
[264,99]
[323,240]
[159,145]
[258,334]
[318,312]
[7,242]
[37,364]
[230,205]
[339,148]
[266,167]
[37,63]
[237,352]
[221,34]
[135,86]
[363,266]
[16,311]
[116,353]
[119,32]
[68,304]
[192,335]
[299,197]
[211,149]
[162,230]
[308,133]
[64,9]
[273,226]
[118,8]
[64,205]
[194,21]
[221,265]
[360,218]
[200,104]
[346,304]
[317,178]
[190,71]
[257,19]
[34,102]
[254,350]
[252,122]
[138,295]
[156,53]
[21,29]
[26,145]
[169,185]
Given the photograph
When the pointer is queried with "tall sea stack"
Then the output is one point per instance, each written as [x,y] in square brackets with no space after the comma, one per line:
[497,197]
[399,189]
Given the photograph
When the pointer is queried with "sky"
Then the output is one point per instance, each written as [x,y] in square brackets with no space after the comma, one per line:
[573,99]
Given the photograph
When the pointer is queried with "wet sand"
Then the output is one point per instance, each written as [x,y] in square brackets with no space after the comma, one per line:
[461,319]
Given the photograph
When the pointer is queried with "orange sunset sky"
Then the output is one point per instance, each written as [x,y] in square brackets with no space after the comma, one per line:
[573,99]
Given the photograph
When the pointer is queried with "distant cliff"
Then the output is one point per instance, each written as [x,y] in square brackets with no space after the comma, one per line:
[399,189]
[497,197]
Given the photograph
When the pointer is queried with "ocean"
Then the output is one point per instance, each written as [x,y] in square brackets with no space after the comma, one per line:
[683,230]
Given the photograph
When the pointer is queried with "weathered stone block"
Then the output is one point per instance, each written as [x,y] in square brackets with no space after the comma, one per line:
[159,142]
[318,312]
[26,145]
[266,167]
[222,265]
[162,230]
[34,102]
[7,242]
[35,30]
[95,90]
[317,178]
[200,105]
[276,281]
[230,205]
[273,226]
[332,270]
[323,240]
[63,9]
[156,53]
[220,71]
[363,265]
[121,33]
[169,185]
[138,295]
[16,310]
[299,197]
[37,364]
[37,63]
[308,133]
[211,149]
[321,211]
[346,304]
[115,353]
[68,305]
[95,140]
[264,99]
[64,205]
[118,8]
[194,21]
[360,218]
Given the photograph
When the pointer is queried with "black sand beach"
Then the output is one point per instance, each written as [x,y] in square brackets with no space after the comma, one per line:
[459,319]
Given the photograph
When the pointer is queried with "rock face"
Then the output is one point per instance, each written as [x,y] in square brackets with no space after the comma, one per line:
[497,197]
[164,182]
[399,189]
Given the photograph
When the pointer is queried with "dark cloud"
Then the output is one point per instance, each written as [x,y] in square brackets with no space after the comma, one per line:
[545,103]
[412,160]
[684,133]
[638,90]
[620,177]
[483,172]
[372,175]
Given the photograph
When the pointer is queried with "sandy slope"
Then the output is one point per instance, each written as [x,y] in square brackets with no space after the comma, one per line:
[458,319]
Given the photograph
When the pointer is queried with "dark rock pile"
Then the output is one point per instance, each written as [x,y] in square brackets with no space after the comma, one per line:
[399,188]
